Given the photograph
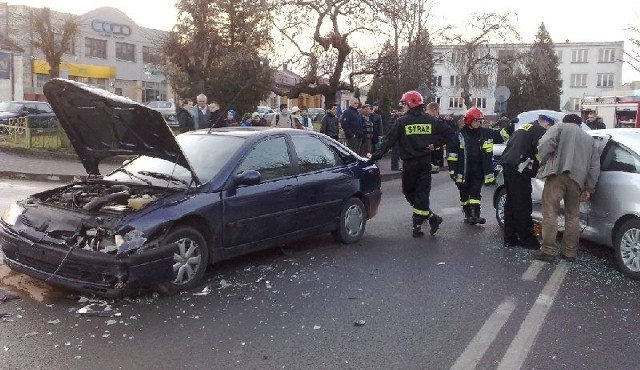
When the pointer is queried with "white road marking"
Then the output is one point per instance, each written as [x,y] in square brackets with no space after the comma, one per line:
[533,270]
[487,334]
[519,349]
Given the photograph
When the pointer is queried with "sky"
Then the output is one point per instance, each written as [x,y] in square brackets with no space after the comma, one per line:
[565,19]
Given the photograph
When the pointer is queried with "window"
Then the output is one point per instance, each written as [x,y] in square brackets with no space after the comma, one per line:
[454,81]
[618,158]
[579,56]
[559,55]
[71,47]
[438,80]
[95,48]
[605,80]
[607,56]
[574,104]
[479,102]
[313,154]
[43,108]
[579,80]
[270,158]
[457,57]
[125,51]
[456,102]
[150,55]
[482,80]
[437,100]
[438,58]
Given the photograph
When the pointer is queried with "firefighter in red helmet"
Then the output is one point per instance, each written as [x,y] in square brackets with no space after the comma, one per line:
[417,134]
[470,160]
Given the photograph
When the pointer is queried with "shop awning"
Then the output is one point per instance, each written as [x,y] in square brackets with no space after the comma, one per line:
[76,69]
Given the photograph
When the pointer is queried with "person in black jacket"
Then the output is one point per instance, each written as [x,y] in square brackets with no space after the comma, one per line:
[418,134]
[330,125]
[185,119]
[470,160]
[594,122]
[519,164]
[351,123]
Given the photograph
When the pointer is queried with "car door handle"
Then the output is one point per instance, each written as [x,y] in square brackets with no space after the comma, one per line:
[288,189]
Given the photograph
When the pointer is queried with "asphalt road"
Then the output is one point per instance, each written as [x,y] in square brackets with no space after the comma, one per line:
[458,299]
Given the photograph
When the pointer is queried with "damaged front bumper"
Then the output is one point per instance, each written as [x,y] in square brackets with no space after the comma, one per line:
[87,271]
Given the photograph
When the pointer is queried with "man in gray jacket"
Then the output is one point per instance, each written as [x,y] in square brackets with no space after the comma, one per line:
[570,165]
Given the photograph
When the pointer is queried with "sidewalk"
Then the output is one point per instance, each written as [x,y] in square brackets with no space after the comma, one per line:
[43,166]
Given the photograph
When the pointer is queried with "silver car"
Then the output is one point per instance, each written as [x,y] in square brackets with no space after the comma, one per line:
[612,216]
[168,110]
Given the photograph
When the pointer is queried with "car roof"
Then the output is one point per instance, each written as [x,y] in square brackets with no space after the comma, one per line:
[244,131]
[25,101]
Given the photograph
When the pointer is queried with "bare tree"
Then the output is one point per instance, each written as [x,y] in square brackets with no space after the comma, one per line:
[634,54]
[472,56]
[326,55]
[53,38]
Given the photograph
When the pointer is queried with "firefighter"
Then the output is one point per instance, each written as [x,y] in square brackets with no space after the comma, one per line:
[470,161]
[417,134]
[520,162]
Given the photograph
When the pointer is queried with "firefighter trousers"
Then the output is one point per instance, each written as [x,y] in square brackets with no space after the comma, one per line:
[416,185]
[517,209]
[472,187]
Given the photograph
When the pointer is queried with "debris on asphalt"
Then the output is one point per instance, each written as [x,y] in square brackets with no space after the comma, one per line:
[7,297]
[359,323]
[224,284]
[316,327]
[54,322]
[112,322]
[32,334]
[440,263]
[205,291]
[97,310]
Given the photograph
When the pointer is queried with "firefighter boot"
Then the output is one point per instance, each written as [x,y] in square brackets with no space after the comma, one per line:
[475,215]
[417,226]
[467,213]
[434,222]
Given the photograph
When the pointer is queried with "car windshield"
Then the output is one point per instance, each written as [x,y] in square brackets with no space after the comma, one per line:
[197,148]
[263,109]
[10,107]
[159,104]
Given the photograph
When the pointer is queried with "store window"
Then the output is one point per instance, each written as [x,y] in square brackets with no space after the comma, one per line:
[154,91]
[95,48]
[126,52]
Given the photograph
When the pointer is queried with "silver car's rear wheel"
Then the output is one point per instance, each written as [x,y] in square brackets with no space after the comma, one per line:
[627,248]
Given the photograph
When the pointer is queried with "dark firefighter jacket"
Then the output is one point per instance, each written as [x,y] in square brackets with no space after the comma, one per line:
[415,131]
[460,152]
[522,149]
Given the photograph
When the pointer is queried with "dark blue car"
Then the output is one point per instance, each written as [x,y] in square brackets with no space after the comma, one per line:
[182,202]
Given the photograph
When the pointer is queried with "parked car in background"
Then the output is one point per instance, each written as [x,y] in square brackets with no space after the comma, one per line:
[185,202]
[263,110]
[316,114]
[612,216]
[39,113]
[168,110]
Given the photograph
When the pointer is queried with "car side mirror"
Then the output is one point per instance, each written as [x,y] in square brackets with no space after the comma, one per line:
[250,177]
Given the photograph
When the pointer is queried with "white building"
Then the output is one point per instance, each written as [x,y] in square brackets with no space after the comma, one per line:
[586,69]
[110,51]
[10,70]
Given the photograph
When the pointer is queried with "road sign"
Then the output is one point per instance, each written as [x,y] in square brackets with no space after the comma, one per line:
[502,94]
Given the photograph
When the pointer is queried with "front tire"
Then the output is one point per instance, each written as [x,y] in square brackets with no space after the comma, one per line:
[501,200]
[627,248]
[352,222]
[189,261]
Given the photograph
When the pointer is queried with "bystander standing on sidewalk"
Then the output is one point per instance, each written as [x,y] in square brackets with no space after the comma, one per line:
[330,126]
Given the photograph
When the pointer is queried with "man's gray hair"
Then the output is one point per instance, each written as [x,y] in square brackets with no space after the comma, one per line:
[202,97]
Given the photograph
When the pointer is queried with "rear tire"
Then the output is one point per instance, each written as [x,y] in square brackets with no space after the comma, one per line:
[189,261]
[352,222]
[501,199]
[627,248]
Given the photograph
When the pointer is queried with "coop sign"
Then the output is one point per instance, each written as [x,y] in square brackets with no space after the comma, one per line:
[107,28]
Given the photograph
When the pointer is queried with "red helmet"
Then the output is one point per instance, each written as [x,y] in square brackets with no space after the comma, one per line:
[412,99]
[474,113]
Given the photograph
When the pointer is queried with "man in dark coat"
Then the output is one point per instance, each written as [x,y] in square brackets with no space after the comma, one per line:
[185,119]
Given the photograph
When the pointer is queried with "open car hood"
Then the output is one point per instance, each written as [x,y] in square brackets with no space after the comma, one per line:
[100,124]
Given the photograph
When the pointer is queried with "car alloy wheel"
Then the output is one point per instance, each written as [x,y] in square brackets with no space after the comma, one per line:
[190,259]
[352,222]
[627,248]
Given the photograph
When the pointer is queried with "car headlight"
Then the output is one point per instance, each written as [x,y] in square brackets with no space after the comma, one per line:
[119,240]
[11,214]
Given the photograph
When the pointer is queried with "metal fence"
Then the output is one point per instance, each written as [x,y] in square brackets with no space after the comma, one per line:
[28,133]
